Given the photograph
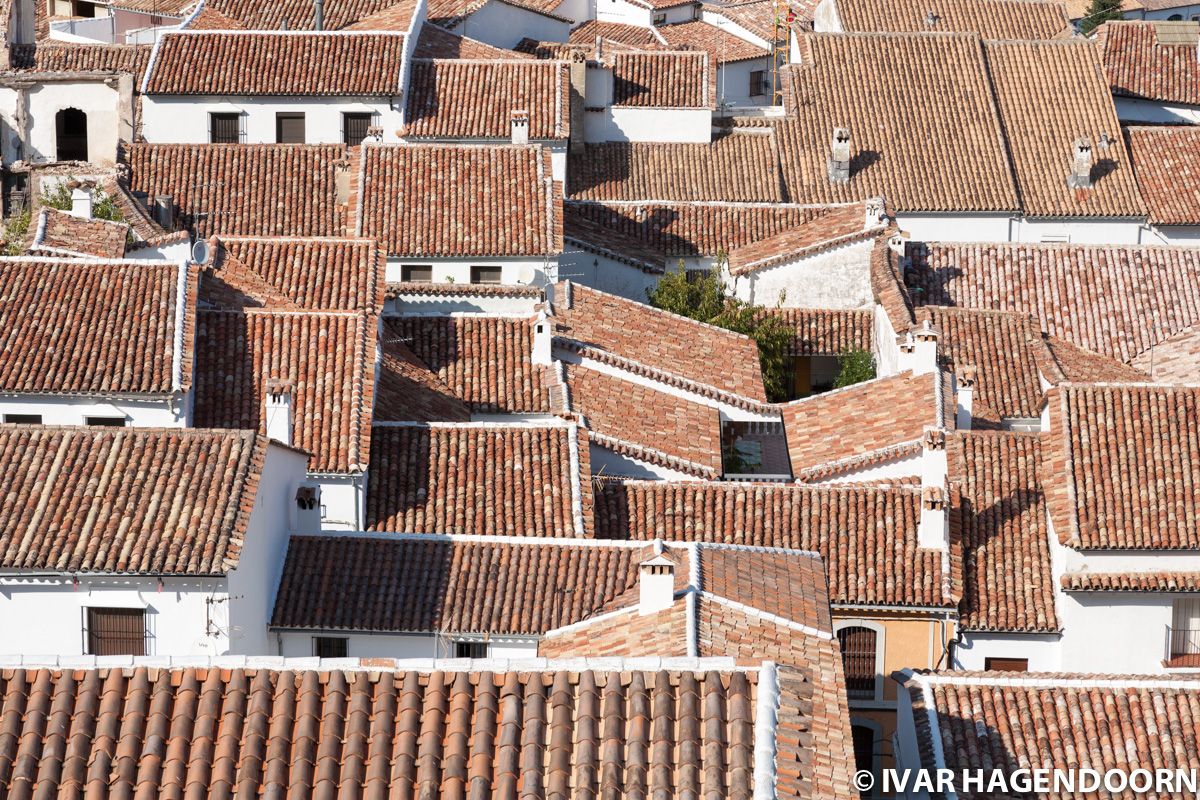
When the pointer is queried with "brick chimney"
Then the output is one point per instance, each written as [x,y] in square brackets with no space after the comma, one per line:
[964,412]
[278,411]
[578,69]
[520,126]
[1081,164]
[839,156]
[656,582]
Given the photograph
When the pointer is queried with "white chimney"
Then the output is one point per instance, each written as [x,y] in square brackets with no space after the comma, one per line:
[839,156]
[81,202]
[542,338]
[933,457]
[918,350]
[1081,164]
[933,531]
[875,212]
[520,126]
[966,398]
[656,583]
[279,411]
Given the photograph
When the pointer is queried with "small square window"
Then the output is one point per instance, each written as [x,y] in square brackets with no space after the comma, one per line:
[485,274]
[330,646]
[225,128]
[115,631]
[354,127]
[23,419]
[660,19]
[470,649]
[1006,664]
[416,273]
[758,83]
[105,422]
[289,128]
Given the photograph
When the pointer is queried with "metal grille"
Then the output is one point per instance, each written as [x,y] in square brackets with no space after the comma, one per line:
[116,632]
[226,128]
[354,128]
[858,661]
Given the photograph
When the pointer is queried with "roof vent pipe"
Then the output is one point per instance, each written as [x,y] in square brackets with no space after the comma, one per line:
[319,15]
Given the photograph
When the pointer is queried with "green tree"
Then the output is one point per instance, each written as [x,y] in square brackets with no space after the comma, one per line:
[704,298]
[16,227]
[1099,12]
[858,365]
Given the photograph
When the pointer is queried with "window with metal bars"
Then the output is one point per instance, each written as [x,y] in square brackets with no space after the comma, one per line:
[115,631]
[331,646]
[225,128]
[354,127]
[858,661]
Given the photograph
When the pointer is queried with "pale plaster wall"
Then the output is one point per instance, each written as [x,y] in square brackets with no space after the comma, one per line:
[185,118]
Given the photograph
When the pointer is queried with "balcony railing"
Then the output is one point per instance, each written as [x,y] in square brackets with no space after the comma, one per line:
[1183,647]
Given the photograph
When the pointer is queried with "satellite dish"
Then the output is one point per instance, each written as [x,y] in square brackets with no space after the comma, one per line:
[200,252]
[525,274]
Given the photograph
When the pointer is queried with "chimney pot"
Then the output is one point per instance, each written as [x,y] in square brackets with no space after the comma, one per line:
[278,411]
[839,156]
[1081,164]
[656,584]
[520,126]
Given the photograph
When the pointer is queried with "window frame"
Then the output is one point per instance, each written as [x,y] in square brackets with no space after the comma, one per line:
[89,626]
[357,115]
[342,643]
[406,273]
[283,116]
[477,269]
[989,664]
[758,83]
[880,645]
[26,419]
[236,117]
[471,645]
[106,422]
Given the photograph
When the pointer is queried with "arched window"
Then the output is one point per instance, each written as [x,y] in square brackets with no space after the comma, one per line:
[859,661]
[71,127]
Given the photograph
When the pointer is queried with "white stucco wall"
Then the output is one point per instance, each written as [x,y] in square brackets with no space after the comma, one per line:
[516,271]
[1078,231]
[185,119]
[733,83]
[836,278]
[605,274]
[1115,632]
[623,11]
[68,410]
[1044,651]
[956,227]
[609,462]
[502,25]
[436,306]
[1131,109]
[1187,235]
[1008,228]
[632,124]
[343,500]
[292,643]
[96,98]
[1185,12]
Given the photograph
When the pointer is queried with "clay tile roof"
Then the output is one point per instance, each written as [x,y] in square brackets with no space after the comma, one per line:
[244,189]
[1050,94]
[407,390]
[481,478]
[652,420]
[949,157]
[298,15]
[437,42]
[397,17]
[866,536]
[877,415]
[1165,163]
[639,37]
[1122,470]
[496,200]
[1097,297]
[1073,363]
[661,79]
[1008,583]
[96,327]
[739,167]
[1140,64]
[314,274]
[459,99]
[210,19]
[245,63]
[50,56]
[688,728]
[828,332]
[329,358]
[722,47]
[672,344]
[486,362]
[65,509]
[1131,581]
[451,585]
[64,234]
[1059,721]
[839,225]
[779,582]
[991,19]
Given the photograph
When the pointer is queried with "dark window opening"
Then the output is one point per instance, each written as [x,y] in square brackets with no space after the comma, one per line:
[1006,664]
[660,19]
[23,419]
[115,631]
[71,128]
[485,274]
[105,422]
[858,660]
[813,375]
[864,747]
[354,127]
[470,649]
[289,128]
[415,273]
[758,83]
[225,128]
[331,646]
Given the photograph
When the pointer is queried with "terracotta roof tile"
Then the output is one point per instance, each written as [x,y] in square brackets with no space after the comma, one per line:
[298,15]
[480,479]
[738,167]
[397,17]
[828,332]
[1098,297]
[408,390]
[1165,164]
[477,200]
[650,419]
[244,189]
[437,42]
[1131,581]
[640,37]
[1008,583]
[246,63]
[991,19]
[838,225]
[661,79]
[676,730]
[1138,64]
[722,47]
[867,536]
[95,327]
[314,274]
[328,358]
[48,56]
[1122,470]
[676,345]
[1074,363]
[66,510]
[460,99]
[486,362]
[1049,95]
[866,417]
[62,233]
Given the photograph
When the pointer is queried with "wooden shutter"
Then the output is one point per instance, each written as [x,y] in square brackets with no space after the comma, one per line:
[858,660]
[116,631]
